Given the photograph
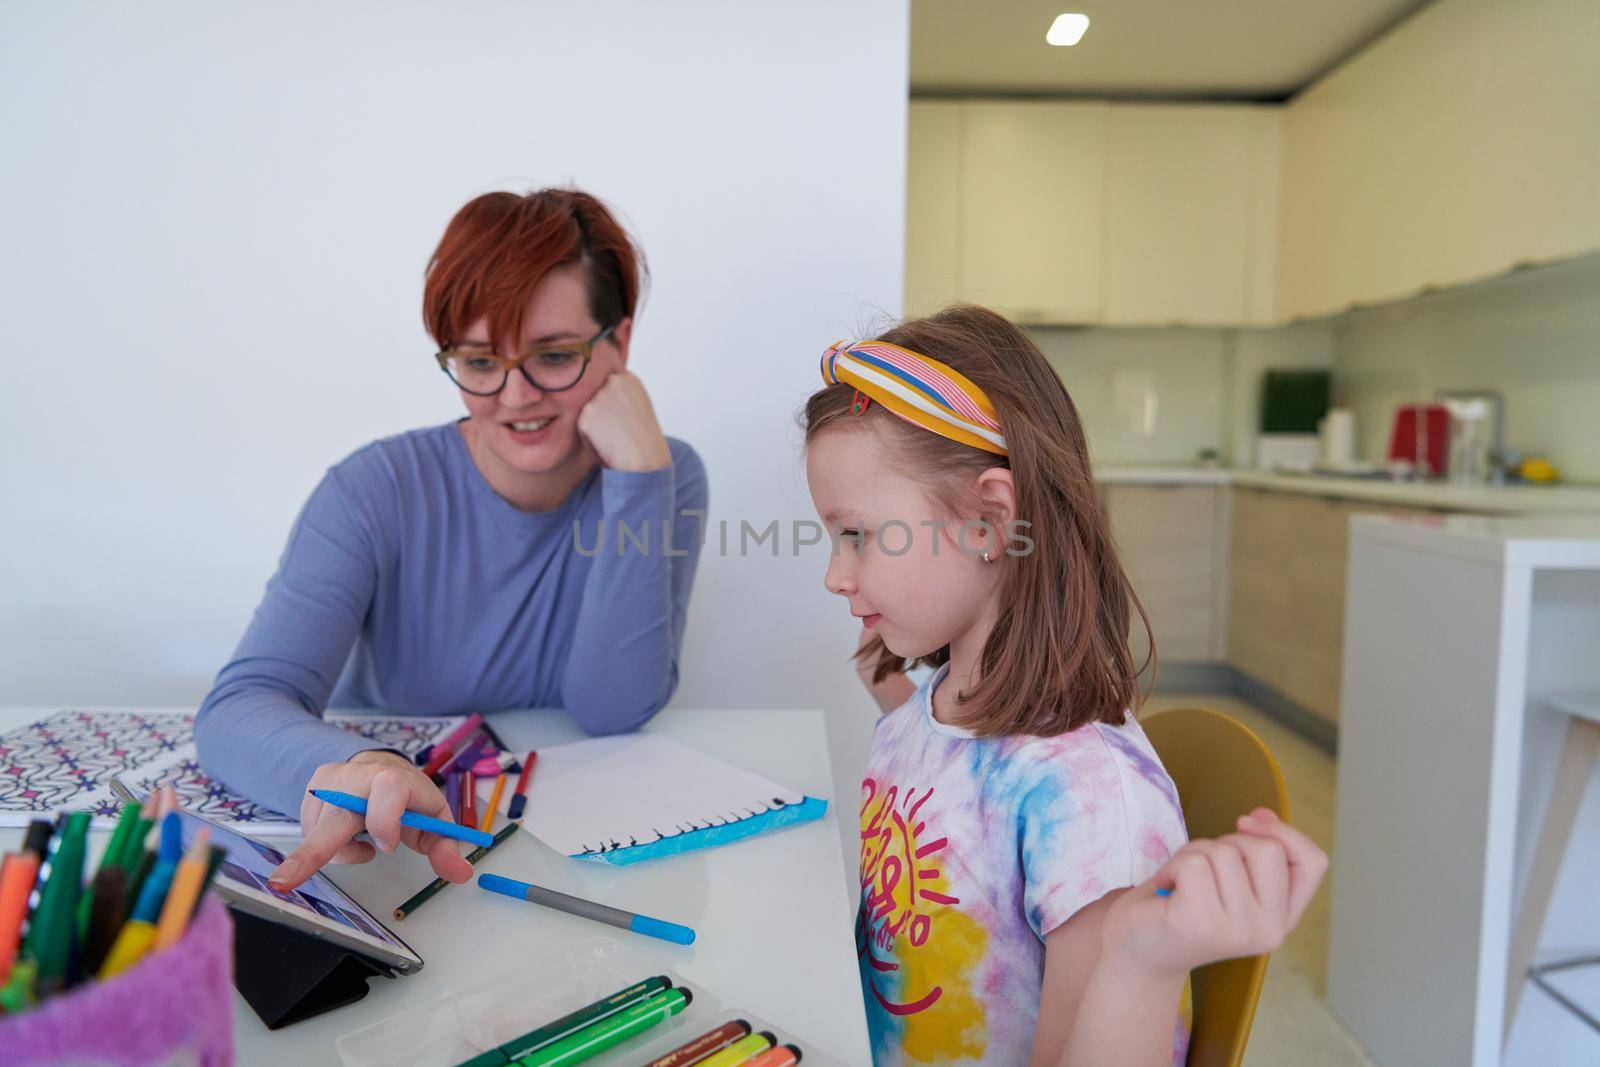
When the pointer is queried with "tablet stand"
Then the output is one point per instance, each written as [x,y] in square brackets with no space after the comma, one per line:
[286,975]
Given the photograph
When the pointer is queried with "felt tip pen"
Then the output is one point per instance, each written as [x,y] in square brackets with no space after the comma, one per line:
[587,909]
[519,799]
[610,1031]
[698,1049]
[781,1056]
[443,750]
[416,820]
[740,1051]
[569,1024]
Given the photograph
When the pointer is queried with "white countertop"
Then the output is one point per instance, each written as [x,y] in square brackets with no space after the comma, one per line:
[1556,542]
[1494,500]
[774,916]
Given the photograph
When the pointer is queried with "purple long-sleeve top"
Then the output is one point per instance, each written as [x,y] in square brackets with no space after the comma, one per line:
[408,584]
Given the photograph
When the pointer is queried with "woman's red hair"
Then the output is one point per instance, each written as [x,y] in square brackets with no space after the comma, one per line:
[500,246]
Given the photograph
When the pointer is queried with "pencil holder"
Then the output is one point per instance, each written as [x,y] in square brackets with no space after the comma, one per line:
[173,1007]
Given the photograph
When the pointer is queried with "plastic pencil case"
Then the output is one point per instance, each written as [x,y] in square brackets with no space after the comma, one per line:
[174,1007]
[460,1025]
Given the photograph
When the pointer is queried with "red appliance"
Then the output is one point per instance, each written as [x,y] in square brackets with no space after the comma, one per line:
[1421,430]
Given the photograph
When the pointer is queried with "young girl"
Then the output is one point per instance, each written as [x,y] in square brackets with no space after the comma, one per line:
[1027,893]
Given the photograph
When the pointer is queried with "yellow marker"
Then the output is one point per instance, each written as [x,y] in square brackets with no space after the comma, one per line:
[133,941]
[185,891]
[494,803]
[743,1049]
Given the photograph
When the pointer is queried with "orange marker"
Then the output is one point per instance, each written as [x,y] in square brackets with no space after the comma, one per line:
[782,1056]
[184,892]
[494,804]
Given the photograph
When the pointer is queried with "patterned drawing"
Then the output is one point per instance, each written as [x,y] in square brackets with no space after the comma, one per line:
[67,761]
[64,761]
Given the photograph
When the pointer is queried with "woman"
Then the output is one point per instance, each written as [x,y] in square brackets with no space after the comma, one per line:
[442,571]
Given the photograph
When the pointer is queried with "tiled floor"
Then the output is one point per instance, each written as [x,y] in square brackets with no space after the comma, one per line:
[1293,1026]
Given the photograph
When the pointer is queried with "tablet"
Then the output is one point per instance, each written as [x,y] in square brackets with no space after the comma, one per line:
[317,906]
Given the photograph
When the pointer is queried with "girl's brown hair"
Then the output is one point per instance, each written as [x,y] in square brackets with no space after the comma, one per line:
[1058,656]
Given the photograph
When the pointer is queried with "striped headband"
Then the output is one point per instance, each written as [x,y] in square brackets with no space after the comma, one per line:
[918,389]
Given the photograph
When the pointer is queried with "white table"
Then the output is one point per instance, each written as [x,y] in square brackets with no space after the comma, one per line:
[776,897]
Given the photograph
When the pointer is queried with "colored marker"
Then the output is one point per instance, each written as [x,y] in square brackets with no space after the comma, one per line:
[588,909]
[740,1051]
[133,847]
[519,799]
[704,1045]
[494,802]
[212,863]
[18,876]
[179,905]
[415,820]
[610,1031]
[426,893]
[469,800]
[55,920]
[550,1033]
[465,756]
[782,1056]
[1163,892]
[443,750]
[108,907]
[498,763]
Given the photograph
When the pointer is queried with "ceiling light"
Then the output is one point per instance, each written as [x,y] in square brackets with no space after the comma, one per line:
[1068,29]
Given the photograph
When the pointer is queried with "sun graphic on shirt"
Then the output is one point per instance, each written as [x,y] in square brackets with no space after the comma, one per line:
[920,953]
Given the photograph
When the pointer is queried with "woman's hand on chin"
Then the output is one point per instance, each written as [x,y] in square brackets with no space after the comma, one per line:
[392,786]
[620,424]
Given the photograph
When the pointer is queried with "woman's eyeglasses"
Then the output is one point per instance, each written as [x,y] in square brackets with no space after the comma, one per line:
[548,368]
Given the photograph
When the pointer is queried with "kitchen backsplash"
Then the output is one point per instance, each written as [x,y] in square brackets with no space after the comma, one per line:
[1158,396]
[1534,336]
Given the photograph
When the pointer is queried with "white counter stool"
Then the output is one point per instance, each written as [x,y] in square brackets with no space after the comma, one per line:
[1580,753]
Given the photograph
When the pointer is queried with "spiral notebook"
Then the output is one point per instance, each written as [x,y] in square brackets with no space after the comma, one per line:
[620,800]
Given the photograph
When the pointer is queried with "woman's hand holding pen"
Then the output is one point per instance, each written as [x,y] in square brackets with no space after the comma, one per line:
[392,786]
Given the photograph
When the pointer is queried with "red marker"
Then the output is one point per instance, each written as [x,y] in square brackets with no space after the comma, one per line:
[519,799]
[469,799]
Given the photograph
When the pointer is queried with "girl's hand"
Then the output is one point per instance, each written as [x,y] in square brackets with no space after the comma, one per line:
[620,425]
[1239,895]
[890,693]
[392,786]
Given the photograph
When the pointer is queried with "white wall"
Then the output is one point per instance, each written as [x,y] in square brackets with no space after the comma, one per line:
[216,219]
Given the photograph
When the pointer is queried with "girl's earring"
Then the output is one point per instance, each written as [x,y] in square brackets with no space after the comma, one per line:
[986,558]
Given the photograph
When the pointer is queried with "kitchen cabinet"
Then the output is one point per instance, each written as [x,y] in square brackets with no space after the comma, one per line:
[1191,214]
[1171,540]
[1458,146]
[933,199]
[1078,213]
[1031,218]
[1286,581]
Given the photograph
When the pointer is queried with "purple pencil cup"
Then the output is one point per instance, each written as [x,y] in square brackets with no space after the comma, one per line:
[174,1006]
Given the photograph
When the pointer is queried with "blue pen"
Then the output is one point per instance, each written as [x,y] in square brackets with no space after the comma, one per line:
[171,850]
[588,909]
[415,820]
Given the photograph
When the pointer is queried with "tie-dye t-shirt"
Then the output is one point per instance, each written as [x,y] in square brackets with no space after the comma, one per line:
[972,850]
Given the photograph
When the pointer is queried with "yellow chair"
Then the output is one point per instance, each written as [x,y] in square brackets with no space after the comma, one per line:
[1222,770]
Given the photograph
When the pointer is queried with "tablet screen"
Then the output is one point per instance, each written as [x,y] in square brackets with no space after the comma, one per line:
[317,903]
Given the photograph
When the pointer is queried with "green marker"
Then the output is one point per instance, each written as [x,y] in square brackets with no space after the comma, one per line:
[109,858]
[550,1033]
[610,1032]
[55,921]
